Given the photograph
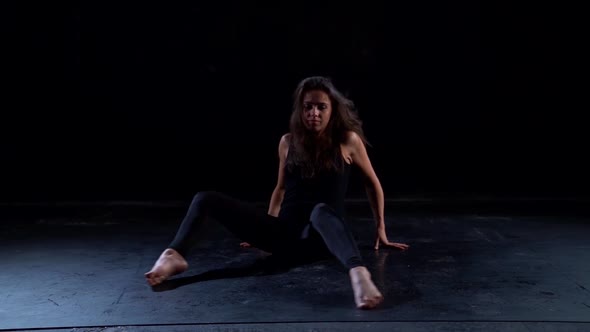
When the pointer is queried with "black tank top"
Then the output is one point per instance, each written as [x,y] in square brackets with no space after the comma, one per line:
[302,194]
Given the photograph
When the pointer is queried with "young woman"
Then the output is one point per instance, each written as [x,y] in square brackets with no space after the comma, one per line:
[306,212]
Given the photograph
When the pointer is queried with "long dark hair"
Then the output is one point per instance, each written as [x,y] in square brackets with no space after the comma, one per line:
[317,153]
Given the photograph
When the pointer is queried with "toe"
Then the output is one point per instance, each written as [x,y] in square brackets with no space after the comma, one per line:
[365,305]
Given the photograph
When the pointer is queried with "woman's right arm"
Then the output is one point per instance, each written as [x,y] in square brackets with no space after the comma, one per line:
[277,195]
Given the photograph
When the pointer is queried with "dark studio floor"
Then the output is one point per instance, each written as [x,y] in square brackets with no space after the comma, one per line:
[80,268]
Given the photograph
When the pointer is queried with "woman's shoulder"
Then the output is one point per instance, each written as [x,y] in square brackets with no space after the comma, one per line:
[352,138]
[285,139]
[284,143]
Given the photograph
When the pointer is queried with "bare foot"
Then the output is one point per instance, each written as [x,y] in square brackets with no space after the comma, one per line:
[366,294]
[169,264]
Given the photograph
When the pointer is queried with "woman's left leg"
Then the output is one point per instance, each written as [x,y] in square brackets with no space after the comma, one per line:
[338,239]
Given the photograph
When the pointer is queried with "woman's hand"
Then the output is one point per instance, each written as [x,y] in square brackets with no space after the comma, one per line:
[382,239]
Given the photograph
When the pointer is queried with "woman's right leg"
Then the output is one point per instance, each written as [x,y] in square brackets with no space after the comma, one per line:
[247,222]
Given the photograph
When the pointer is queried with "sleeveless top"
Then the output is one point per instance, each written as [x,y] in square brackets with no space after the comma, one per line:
[303,194]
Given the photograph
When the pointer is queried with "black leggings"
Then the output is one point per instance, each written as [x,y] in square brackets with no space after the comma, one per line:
[324,233]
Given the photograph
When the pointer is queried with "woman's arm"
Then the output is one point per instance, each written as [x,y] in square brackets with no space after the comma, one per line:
[278,193]
[360,157]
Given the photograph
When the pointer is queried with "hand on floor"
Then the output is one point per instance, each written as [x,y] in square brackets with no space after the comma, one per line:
[382,239]
[401,246]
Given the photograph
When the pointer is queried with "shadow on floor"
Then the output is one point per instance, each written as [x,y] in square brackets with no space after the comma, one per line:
[269,265]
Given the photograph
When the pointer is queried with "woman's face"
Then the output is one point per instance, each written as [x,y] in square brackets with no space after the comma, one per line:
[317,110]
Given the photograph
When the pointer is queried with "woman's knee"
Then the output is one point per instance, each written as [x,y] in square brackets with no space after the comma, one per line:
[206,198]
[322,213]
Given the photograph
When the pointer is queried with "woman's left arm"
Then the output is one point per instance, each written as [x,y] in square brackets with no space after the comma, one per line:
[360,158]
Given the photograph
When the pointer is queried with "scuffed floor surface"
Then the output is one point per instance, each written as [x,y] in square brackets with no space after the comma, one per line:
[73,269]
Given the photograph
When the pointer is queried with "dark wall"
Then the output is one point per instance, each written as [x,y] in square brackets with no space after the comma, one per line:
[158,101]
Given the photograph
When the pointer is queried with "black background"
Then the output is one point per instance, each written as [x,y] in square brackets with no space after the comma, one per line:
[156,101]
